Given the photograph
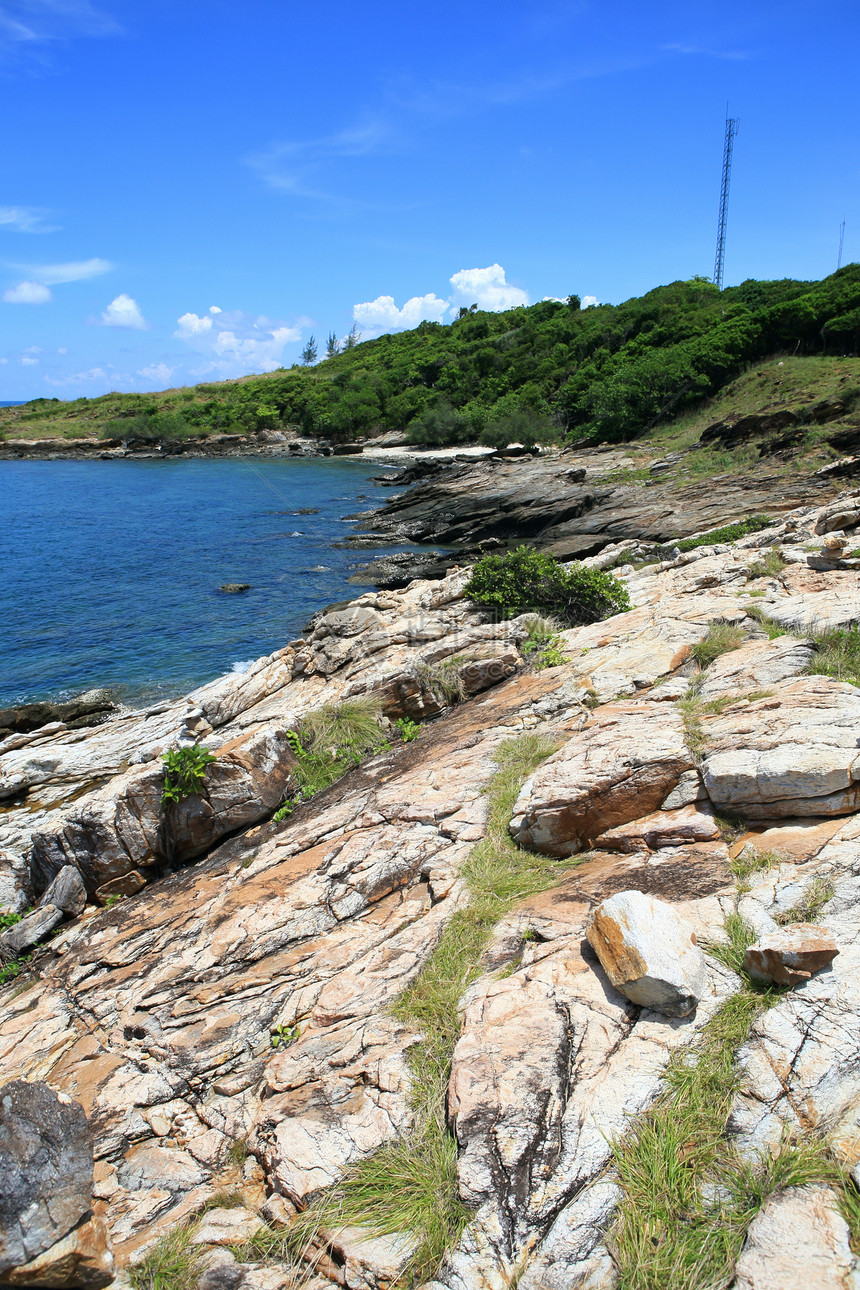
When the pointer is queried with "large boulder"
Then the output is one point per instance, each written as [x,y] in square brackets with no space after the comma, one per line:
[791,754]
[791,955]
[22,936]
[620,767]
[46,1164]
[67,892]
[124,827]
[648,952]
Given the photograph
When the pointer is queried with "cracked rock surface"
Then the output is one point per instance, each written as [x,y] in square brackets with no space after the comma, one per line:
[159,1015]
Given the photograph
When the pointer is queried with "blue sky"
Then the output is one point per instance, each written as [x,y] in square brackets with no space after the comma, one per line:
[191,187]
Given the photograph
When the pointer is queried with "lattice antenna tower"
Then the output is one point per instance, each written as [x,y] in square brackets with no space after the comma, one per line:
[733,124]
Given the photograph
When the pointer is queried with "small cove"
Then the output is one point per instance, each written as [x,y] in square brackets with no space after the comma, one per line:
[111,569]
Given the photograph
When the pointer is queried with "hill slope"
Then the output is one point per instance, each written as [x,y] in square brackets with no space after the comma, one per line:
[551,370]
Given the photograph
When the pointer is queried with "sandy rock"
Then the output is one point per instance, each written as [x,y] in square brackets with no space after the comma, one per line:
[798,1241]
[150,1166]
[791,955]
[688,824]
[226,1227]
[15,891]
[277,1211]
[31,929]
[619,768]
[793,754]
[688,790]
[81,1260]
[648,953]
[756,666]
[814,600]
[370,1261]
[46,1163]
[67,892]
[128,884]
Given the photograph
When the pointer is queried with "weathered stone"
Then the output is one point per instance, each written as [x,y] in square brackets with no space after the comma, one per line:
[67,892]
[789,755]
[791,955]
[648,953]
[619,768]
[277,1211]
[82,1260]
[799,1241]
[688,790]
[149,1166]
[15,890]
[662,829]
[31,929]
[128,884]
[46,1163]
[226,1227]
[221,1272]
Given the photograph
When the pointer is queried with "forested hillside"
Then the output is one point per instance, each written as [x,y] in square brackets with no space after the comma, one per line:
[551,371]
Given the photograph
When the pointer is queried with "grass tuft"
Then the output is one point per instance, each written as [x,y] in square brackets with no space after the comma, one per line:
[721,638]
[837,655]
[819,892]
[173,1263]
[442,680]
[751,861]
[769,566]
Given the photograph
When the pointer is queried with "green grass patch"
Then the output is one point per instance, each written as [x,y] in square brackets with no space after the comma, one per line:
[837,654]
[329,742]
[442,680]
[728,533]
[410,1186]
[173,1263]
[721,639]
[751,861]
[769,566]
[819,892]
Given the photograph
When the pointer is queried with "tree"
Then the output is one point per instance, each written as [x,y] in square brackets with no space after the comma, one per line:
[353,338]
[309,353]
[333,346]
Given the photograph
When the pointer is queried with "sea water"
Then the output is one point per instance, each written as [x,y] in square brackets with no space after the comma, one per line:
[110,570]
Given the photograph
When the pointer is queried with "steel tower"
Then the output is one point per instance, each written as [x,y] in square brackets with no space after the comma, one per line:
[733,124]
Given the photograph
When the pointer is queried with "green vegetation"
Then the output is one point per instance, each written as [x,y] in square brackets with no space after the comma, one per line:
[9,920]
[549,371]
[526,579]
[173,1263]
[282,1036]
[819,892]
[410,1185]
[543,644]
[769,626]
[330,741]
[837,655]
[769,566]
[13,968]
[728,533]
[721,638]
[751,861]
[442,679]
[184,772]
[408,728]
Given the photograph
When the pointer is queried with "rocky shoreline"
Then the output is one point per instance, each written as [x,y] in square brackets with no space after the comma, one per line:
[215,1028]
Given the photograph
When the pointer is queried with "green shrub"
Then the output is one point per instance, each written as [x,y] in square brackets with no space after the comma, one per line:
[837,655]
[769,566]
[728,533]
[184,773]
[408,728]
[721,638]
[526,579]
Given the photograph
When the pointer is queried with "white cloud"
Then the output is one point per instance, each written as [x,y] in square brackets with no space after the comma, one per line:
[28,361]
[234,342]
[382,315]
[157,372]
[25,219]
[95,374]
[27,293]
[73,271]
[487,288]
[124,312]
[589,301]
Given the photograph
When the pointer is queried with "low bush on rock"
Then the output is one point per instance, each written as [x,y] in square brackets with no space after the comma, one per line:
[721,638]
[184,772]
[328,743]
[526,579]
[728,533]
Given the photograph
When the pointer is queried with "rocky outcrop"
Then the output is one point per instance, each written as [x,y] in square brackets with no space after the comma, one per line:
[230,1031]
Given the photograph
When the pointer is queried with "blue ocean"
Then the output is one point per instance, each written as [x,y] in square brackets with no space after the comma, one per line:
[111,569]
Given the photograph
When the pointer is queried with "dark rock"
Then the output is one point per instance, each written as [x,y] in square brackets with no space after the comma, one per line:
[31,929]
[222,1272]
[516,450]
[231,588]
[734,430]
[346,449]
[391,572]
[89,709]
[67,892]
[46,1164]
